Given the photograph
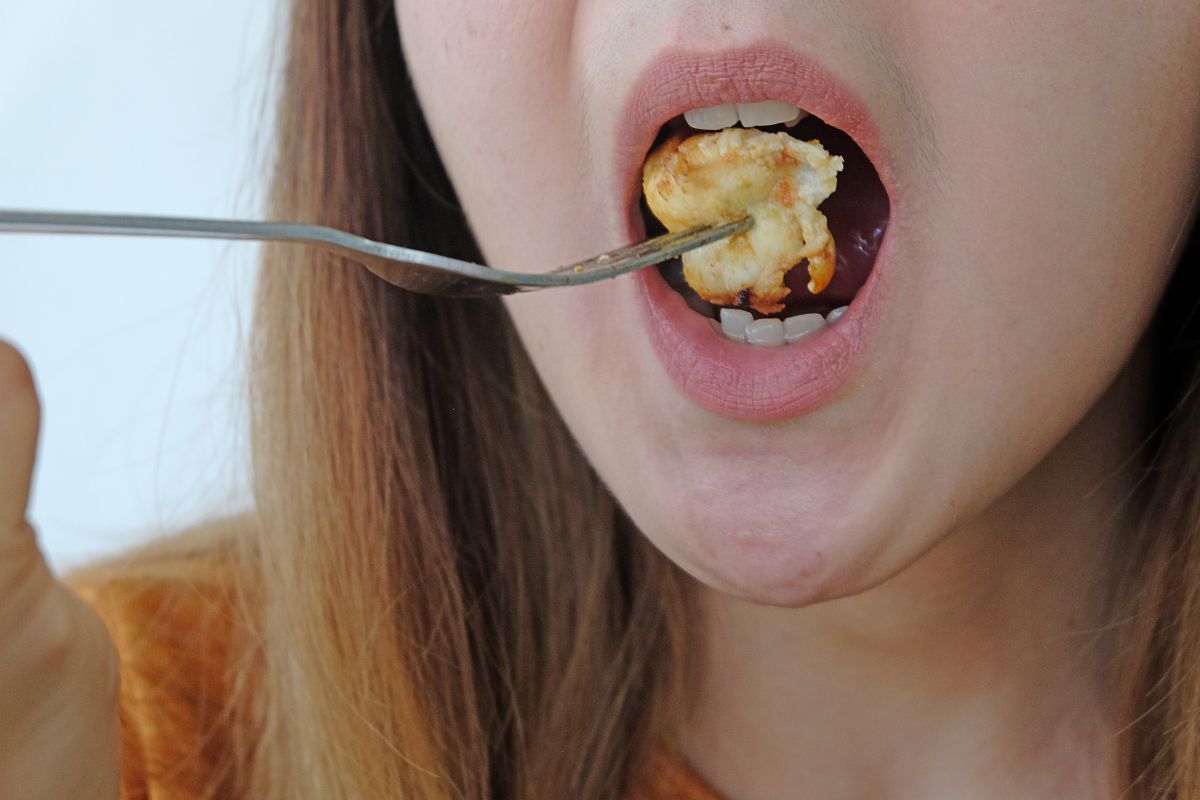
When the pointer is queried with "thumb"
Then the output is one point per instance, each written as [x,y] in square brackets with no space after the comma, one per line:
[19,419]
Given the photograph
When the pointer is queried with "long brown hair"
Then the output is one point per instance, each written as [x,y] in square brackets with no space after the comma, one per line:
[1159,593]
[450,604]
[454,606]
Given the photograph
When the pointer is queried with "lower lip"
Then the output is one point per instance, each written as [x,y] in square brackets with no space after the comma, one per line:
[759,383]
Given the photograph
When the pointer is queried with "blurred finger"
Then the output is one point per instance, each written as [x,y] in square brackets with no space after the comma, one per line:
[19,419]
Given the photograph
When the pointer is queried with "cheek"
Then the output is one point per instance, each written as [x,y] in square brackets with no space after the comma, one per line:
[494,84]
[1042,230]
[1063,164]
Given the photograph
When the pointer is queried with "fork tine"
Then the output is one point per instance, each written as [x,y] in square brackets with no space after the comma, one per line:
[668,244]
[656,250]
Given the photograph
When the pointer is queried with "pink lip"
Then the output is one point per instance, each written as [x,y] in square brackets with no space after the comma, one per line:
[727,377]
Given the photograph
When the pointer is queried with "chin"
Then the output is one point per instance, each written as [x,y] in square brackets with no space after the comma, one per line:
[775,555]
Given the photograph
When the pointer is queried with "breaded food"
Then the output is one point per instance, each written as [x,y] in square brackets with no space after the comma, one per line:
[725,175]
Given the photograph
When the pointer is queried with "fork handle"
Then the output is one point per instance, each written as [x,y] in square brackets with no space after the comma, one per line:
[133,225]
[410,269]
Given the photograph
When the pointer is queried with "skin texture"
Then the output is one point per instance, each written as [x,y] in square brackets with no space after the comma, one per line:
[897,586]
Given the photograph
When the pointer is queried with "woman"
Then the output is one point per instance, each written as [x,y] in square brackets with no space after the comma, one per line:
[943,548]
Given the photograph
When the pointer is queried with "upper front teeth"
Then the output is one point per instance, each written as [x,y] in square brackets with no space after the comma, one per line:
[713,118]
[751,115]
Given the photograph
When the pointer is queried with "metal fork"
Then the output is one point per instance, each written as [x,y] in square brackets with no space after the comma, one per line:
[410,269]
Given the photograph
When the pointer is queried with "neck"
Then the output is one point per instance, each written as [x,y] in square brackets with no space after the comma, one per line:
[981,670]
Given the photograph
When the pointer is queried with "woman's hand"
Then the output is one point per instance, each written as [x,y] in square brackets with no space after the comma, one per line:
[59,734]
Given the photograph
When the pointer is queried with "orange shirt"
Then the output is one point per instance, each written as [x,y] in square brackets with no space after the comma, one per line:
[172,627]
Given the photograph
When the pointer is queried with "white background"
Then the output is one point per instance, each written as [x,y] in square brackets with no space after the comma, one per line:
[132,106]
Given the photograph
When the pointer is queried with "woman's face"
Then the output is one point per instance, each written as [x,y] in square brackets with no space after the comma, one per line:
[1039,159]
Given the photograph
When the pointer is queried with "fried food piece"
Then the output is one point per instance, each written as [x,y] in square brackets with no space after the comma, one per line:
[722,176]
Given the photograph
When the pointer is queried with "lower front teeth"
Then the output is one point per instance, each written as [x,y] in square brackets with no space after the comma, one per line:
[734,322]
[765,332]
[797,327]
[741,326]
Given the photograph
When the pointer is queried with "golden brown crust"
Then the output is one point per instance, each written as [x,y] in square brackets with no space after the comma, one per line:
[721,177]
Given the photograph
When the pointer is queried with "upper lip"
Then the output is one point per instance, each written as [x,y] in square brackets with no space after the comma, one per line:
[678,80]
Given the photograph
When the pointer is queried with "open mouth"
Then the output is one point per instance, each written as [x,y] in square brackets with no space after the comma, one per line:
[857,213]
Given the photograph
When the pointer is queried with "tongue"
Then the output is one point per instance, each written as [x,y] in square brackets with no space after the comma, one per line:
[858,215]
